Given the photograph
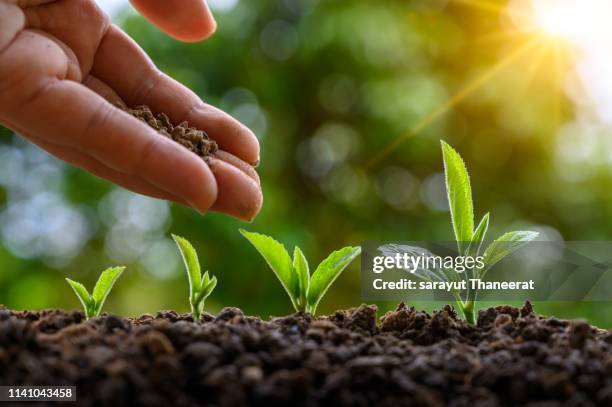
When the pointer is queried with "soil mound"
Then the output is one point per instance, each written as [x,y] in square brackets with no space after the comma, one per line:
[410,358]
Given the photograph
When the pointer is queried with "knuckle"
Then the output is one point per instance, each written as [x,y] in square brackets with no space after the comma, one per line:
[150,79]
[195,109]
[91,136]
[147,151]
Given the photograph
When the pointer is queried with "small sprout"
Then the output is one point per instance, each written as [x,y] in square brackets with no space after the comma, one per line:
[469,240]
[92,304]
[200,286]
[304,291]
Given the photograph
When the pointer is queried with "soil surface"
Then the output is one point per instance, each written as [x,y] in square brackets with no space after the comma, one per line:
[191,138]
[512,357]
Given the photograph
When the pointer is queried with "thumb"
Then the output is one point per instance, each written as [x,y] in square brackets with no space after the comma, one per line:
[185,20]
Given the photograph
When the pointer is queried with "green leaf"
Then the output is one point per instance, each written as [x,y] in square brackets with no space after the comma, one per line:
[206,290]
[327,272]
[478,236]
[459,196]
[104,285]
[506,245]
[192,264]
[83,295]
[277,258]
[301,269]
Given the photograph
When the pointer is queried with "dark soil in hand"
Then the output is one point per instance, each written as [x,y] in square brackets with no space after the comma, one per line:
[191,138]
[513,357]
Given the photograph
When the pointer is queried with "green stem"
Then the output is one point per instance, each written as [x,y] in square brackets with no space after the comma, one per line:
[195,310]
[469,311]
[469,306]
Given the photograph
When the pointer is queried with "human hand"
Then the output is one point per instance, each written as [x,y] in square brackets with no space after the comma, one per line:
[63,65]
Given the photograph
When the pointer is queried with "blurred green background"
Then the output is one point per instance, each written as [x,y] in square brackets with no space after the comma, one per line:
[326,86]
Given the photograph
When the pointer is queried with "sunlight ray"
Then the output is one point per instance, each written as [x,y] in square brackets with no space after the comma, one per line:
[482,5]
[453,101]
[557,85]
[532,69]
[499,36]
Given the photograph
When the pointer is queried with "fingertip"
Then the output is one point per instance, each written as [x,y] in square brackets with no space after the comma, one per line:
[228,132]
[254,150]
[250,146]
[199,31]
[238,194]
[244,142]
[184,20]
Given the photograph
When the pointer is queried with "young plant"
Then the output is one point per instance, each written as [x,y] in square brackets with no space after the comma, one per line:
[200,286]
[470,238]
[304,291]
[92,304]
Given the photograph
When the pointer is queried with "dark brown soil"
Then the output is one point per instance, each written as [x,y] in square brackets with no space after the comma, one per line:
[513,357]
[191,138]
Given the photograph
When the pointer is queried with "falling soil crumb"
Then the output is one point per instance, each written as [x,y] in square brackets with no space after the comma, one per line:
[512,357]
[191,138]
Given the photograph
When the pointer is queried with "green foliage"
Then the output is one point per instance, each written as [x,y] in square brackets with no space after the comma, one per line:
[473,248]
[469,240]
[92,304]
[200,286]
[279,261]
[505,245]
[302,270]
[327,272]
[459,195]
[304,291]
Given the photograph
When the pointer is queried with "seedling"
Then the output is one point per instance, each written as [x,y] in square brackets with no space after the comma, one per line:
[304,291]
[469,239]
[92,304]
[200,286]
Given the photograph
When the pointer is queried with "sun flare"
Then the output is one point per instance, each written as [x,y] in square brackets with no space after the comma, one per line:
[578,22]
[550,41]
[556,18]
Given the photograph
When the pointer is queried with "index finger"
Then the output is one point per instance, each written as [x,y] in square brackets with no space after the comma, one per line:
[125,67]
[185,20]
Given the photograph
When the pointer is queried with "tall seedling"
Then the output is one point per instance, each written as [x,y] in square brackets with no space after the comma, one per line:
[469,237]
